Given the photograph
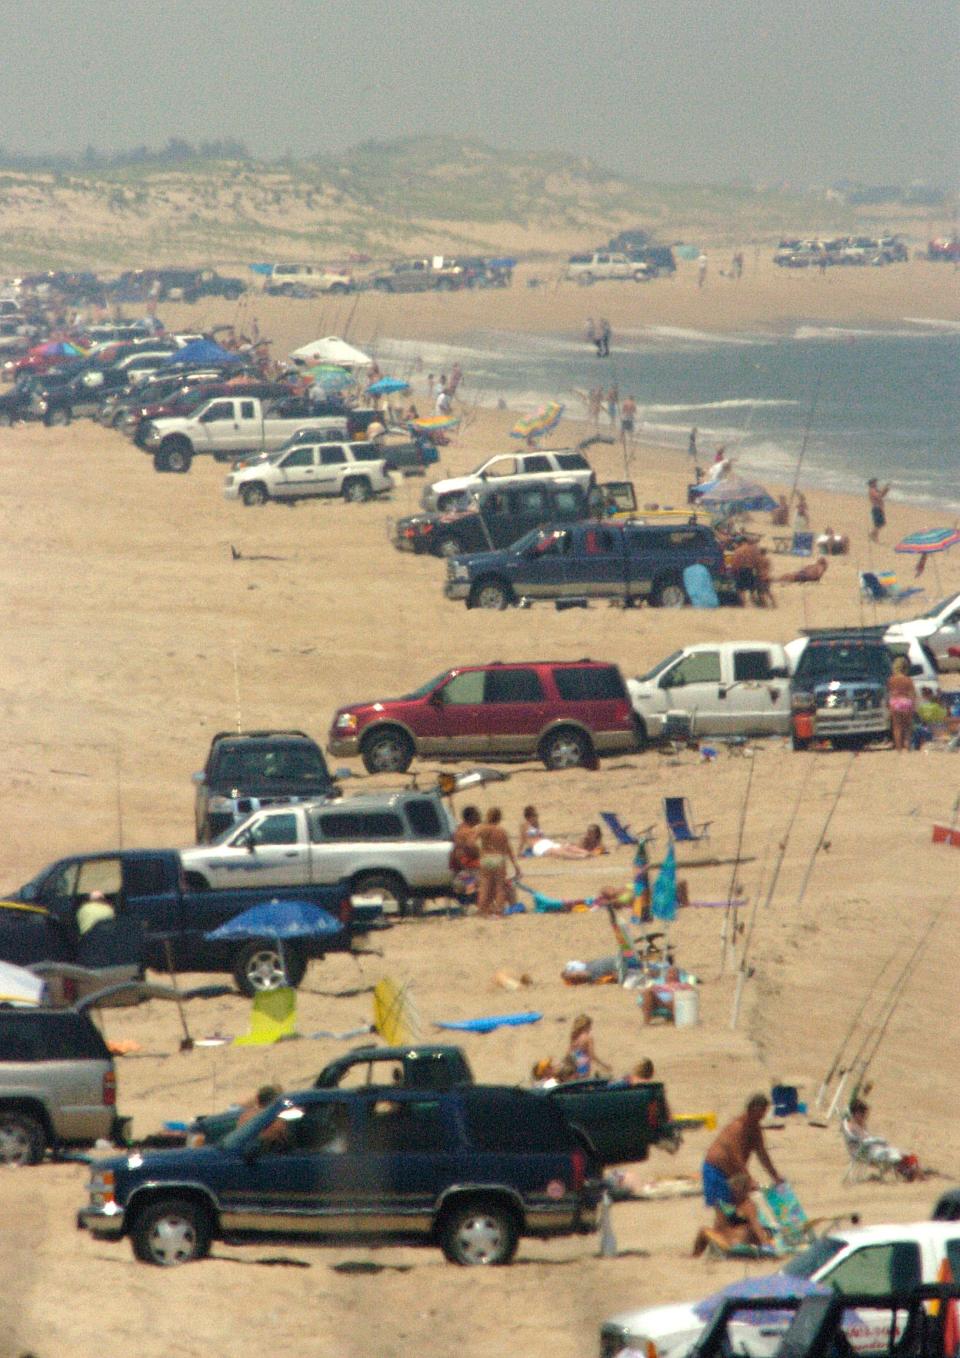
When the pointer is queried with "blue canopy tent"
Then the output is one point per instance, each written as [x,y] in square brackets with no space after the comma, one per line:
[733,495]
[200,352]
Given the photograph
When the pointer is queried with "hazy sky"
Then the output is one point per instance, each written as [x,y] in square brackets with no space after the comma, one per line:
[808,90]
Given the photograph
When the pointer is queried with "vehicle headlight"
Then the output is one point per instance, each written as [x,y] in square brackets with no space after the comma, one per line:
[460,572]
[221,803]
[102,1188]
[42,406]
[152,435]
[346,722]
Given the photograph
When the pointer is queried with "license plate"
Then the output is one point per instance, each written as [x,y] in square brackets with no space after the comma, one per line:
[840,713]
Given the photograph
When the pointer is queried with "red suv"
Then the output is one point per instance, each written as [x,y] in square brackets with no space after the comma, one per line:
[565,712]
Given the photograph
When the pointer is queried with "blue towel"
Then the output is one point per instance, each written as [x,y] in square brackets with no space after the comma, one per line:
[487,1025]
[699,586]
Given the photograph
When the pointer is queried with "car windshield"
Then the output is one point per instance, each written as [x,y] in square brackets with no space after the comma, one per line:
[528,540]
[812,1259]
[659,668]
[248,1133]
[941,607]
[422,691]
[839,660]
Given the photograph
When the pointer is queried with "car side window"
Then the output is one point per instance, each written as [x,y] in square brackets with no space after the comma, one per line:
[356,825]
[537,463]
[502,466]
[599,542]
[406,1125]
[424,818]
[300,457]
[221,410]
[530,503]
[331,455]
[566,504]
[751,665]
[513,686]
[894,1267]
[463,689]
[248,410]
[323,1129]
[278,829]
[702,667]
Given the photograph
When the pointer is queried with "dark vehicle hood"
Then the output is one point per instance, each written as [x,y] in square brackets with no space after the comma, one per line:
[167,1164]
[271,787]
[436,520]
[477,560]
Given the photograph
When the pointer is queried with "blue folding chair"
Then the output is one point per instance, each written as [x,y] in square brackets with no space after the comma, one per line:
[680,827]
[873,588]
[620,832]
[802,544]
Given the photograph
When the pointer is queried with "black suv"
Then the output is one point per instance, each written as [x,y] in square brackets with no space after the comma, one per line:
[57,1084]
[255,769]
[470,1169]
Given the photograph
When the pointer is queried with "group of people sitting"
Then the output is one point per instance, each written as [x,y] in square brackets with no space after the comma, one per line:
[581,1061]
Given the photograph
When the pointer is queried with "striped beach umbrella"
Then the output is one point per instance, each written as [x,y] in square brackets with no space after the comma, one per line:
[933,540]
[540,423]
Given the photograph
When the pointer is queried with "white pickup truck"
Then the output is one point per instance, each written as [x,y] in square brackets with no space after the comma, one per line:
[867,1259]
[227,426]
[393,845]
[737,688]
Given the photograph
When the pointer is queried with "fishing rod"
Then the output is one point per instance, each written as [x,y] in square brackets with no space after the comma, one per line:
[823,833]
[728,935]
[835,1065]
[806,434]
[784,843]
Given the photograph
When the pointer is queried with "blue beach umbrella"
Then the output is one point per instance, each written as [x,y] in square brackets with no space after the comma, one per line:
[773,1285]
[733,495]
[386,386]
[279,920]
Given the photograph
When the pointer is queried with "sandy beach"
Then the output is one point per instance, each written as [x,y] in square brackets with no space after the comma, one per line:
[134,633]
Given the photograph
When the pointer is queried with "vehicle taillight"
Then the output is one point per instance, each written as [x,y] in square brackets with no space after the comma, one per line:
[579,1162]
[110,1089]
[346,910]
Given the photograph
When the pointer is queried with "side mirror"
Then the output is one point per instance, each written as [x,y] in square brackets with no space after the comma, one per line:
[197,778]
[436,698]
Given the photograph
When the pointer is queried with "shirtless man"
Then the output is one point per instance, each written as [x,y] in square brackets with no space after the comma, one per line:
[727,1158]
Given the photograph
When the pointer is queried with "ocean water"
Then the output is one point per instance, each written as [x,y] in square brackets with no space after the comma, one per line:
[865,402]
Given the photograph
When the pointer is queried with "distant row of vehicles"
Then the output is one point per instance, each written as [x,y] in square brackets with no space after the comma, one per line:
[796,253]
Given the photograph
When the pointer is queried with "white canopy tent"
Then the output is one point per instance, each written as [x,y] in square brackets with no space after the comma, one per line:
[332,349]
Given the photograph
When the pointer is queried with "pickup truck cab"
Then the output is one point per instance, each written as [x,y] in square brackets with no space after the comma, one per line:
[160,924]
[565,464]
[868,1259]
[469,1169]
[395,845]
[633,562]
[938,629]
[353,471]
[499,515]
[739,688]
[230,425]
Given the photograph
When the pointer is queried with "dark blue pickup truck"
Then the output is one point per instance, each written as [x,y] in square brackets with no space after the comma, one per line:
[632,562]
[470,1169]
[159,923]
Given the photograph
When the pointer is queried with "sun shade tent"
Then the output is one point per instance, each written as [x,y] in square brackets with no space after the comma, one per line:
[200,352]
[331,349]
[733,495]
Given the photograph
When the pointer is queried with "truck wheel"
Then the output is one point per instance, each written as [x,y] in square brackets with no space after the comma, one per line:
[160,461]
[489,594]
[170,1232]
[388,750]
[179,457]
[337,288]
[566,748]
[194,881]
[261,966]
[59,415]
[586,277]
[388,887]
[669,594]
[254,494]
[447,546]
[356,490]
[479,1232]
[22,1139]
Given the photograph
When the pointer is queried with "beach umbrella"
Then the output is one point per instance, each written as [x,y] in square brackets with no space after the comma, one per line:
[386,386]
[772,1285]
[429,424]
[279,921]
[541,422]
[933,540]
[330,377]
[734,495]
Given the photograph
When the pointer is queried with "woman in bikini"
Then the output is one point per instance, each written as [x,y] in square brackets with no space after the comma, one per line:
[493,890]
[535,844]
[581,1050]
[902,701]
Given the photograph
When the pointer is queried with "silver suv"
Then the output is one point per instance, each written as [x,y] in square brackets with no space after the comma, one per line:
[57,1083]
[391,845]
[355,471]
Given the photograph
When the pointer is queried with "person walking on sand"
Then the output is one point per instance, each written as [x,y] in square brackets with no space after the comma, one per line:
[701,269]
[593,337]
[596,405]
[493,891]
[902,702]
[878,513]
[692,443]
[603,350]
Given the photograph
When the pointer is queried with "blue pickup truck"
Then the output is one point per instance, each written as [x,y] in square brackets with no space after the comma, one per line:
[159,924]
[469,1169]
[632,562]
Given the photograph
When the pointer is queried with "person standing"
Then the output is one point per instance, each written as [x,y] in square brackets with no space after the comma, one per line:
[628,415]
[581,1052]
[613,405]
[605,336]
[878,513]
[496,851]
[592,336]
[701,269]
[729,1153]
[692,443]
[902,701]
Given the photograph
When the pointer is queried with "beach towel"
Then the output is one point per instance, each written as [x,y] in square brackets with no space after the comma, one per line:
[699,587]
[273,1015]
[487,1025]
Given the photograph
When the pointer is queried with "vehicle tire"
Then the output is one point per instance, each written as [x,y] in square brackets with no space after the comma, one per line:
[387,750]
[566,748]
[480,1231]
[160,462]
[382,285]
[641,276]
[668,594]
[118,419]
[194,881]
[170,1232]
[489,594]
[586,278]
[261,966]
[447,545]
[59,415]
[388,887]
[357,490]
[445,285]
[800,742]
[22,1138]
[254,494]
[179,456]
[337,288]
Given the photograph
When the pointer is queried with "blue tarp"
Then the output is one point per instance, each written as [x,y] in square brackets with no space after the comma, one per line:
[199,352]
[699,586]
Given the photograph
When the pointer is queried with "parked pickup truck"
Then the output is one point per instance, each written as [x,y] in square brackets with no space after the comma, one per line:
[156,915]
[839,691]
[228,426]
[739,688]
[620,1121]
[877,1259]
[631,562]
[499,515]
[469,1169]
[395,845]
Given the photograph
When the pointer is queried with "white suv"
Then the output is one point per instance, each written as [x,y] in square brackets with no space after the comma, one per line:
[354,470]
[289,280]
[566,464]
[605,264]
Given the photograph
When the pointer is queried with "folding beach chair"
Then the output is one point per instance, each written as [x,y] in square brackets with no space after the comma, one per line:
[679,825]
[867,1157]
[885,592]
[620,832]
[802,544]
[273,1015]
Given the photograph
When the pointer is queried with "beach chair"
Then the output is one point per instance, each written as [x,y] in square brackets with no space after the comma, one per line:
[866,1158]
[680,827]
[802,544]
[885,592]
[273,1016]
[620,832]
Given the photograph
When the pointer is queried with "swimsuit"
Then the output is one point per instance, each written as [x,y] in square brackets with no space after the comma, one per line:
[492,862]
[716,1186]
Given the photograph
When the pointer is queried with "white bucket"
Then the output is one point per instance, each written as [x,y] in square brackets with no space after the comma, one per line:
[686,1008]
